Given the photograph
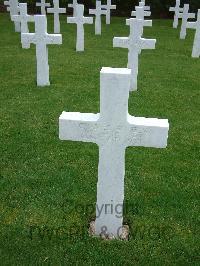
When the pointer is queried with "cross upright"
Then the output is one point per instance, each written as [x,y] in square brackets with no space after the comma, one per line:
[13,8]
[73,5]
[80,20]
[108,8]
[43,6]
[142,4]
[140,13]
[177,9]
[113,130]
[134,43]
[23,18]
[196,45]
[41,39]
[186,15]
[98,12]
[56,10]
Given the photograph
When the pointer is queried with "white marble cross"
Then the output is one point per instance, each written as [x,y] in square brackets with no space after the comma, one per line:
[23,18]
[140,13]
[43,6]
[73,5]
[196,45]
[108,8]
[98,12]
[41,39]
[134,43]
[56,10]
[13,8]
[186,15]
[113,130]
[80,20]
[177,9]
[142,4]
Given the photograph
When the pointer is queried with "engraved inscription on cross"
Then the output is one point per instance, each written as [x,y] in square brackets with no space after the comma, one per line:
[185,16]
[134,43]
[43,6]
[13,8]
[108,8]
[98,12]
[56,10]
[177,9]
[41,39]
[113,130]
[140,13]
[80,20]
[23,18]
[196,45]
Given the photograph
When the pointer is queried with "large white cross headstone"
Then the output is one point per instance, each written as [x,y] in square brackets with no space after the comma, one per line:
[177,9]
[140,13]
[108,8]
[142,4]
[134,43]
[80,20]
[73,5]
[56,10]
[13,8]
[43,6]
[98,12]
[41,39]
[196,45]
[186,15]
[23,18]
[113,130]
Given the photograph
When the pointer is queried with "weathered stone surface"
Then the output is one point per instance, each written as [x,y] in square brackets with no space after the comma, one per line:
[112,130]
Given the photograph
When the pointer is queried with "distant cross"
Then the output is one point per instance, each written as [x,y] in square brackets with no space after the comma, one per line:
[80,20]
[108,8]
[23,18]
[196,45]
[56,10]
[186,15]
[142,4]
[113,130]
[177,9]
[140,13]
[134,43]
[43,6]
[13,8]
[41,39]
[98,12]
[73,5]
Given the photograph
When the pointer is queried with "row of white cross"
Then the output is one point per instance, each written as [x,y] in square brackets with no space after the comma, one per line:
[185,15]
[113,129]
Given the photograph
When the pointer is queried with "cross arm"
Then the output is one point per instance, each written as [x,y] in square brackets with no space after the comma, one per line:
[147,132]
[71,20]
[148,43]
[27,39]
[110,7]
[88,20]
[78,127]
[172,9]
[191,15]
[6,3]
[191,25]
[121,42]
[53,39]
[92,11]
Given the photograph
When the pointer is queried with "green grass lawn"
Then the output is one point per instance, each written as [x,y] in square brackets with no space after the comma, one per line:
[48,187]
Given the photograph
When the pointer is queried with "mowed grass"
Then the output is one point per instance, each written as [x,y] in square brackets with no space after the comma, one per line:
[47,186]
